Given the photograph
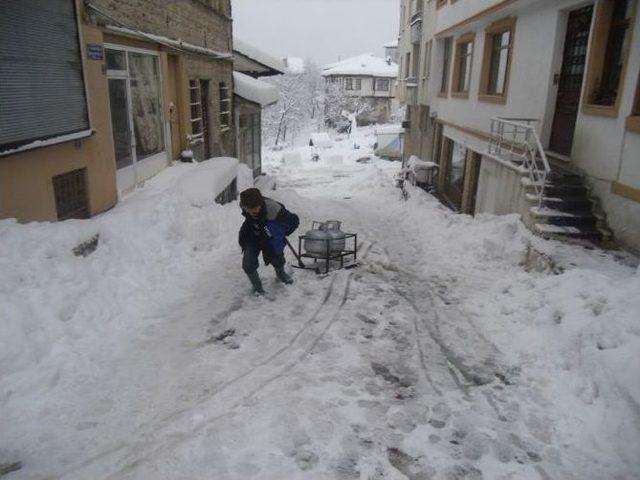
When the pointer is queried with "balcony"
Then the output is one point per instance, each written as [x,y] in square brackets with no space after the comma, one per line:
[416,28]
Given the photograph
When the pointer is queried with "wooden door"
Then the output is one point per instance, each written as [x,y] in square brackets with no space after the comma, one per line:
[570,80]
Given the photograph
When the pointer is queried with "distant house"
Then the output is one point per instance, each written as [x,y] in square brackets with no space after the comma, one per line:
[251,95]
[391,51]
[370,78]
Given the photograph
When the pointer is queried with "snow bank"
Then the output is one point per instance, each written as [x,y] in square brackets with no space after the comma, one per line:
[255,91]
[58,308]
[367,64]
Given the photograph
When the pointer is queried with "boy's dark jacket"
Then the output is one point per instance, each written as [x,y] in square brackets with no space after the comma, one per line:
[268,231]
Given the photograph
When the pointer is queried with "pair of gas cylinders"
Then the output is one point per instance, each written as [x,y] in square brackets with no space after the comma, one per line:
[324,239]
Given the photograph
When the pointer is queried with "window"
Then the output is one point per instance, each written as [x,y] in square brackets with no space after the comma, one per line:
[426,70]
[407,65]
[446,61]
[415,68]
[348,84]
[608,56]
[195,99]
[462,66]
[633,121]
[441,3]
[381,85]
[225,106]
[42,93]
[496,62]
[358,84]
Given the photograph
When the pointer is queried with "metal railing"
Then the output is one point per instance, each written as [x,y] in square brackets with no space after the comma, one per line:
[516,140]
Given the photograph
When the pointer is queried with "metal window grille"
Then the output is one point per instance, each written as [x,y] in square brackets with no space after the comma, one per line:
[196,112]
[225,106]
[70,190]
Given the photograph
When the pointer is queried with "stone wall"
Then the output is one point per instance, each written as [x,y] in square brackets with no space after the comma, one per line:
[199,22]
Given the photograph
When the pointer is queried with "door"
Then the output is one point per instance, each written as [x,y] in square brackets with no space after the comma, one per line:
[570,80]
[174,112]
[456,161]
[204,101]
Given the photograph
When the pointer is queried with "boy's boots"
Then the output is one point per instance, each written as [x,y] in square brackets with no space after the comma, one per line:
[255,281]
[282,276]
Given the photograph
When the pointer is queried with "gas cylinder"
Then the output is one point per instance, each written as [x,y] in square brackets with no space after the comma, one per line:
[317,242]
[338,241]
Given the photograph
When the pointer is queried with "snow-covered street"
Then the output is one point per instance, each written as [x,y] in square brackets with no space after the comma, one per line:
[460,348]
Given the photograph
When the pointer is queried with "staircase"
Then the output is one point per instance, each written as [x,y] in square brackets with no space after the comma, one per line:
[566,209]
[561,205]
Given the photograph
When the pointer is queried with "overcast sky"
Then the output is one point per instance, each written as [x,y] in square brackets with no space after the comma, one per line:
[321,30]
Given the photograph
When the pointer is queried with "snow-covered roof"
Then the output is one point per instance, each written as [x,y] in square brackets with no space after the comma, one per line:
[255,91]
[367,64]
[393,44]
[242,48]
[169,42]
[294,64]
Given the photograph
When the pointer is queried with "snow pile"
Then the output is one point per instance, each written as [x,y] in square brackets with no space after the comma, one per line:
[367,64]
[255,91]
[58,307]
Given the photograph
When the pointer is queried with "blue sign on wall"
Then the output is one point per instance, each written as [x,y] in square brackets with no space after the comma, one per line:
[95,51]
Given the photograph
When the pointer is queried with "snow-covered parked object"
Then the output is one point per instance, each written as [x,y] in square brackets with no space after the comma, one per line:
[421,171]
[390,140]
[266,183]
[292,159]
[367,64]
[202,184]
[253,90]
[320,140]
[245,177]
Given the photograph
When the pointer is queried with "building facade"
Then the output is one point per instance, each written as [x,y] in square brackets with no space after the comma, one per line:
[368,80]
[251,95]
[106,96]
[529,107]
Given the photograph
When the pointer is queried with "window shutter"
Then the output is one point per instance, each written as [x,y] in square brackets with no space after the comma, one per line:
[42,91]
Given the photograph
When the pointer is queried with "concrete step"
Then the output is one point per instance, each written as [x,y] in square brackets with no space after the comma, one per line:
[565,204]
[578,218]
[567,231]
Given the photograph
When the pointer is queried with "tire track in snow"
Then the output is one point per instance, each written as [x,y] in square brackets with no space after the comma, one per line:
[132,461]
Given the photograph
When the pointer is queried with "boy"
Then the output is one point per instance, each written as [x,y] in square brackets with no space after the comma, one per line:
[266,226]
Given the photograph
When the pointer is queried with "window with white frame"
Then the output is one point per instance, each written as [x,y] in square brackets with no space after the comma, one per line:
[348,83]
[42,90]
[135,98]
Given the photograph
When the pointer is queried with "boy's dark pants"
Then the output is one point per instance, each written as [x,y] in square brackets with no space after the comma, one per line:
[250,260]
